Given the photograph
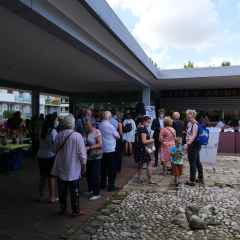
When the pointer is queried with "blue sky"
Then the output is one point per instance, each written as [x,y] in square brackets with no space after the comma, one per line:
[173,31]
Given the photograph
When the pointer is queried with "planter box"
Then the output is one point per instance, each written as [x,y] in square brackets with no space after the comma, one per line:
[227,142]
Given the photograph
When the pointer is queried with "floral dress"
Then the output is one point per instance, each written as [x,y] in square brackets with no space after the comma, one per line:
[140,155]
[167,136]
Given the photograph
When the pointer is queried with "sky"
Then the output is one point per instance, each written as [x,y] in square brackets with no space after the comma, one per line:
[172,32]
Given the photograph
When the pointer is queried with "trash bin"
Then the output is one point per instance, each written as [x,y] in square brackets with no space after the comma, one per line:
[208,153]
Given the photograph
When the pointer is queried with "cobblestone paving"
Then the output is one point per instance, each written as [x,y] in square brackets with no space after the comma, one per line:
[124,217]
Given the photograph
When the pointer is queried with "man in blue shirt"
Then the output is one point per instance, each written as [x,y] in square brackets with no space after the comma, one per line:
[80,123]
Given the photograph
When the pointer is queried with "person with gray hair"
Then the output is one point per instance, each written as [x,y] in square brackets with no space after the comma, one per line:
[70,159]
[177,124]
[92,140]
[80,123]
[108,164]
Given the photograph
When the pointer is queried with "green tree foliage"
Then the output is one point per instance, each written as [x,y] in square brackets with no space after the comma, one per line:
[155,64]
[8,113]
[188,65]
[224,64]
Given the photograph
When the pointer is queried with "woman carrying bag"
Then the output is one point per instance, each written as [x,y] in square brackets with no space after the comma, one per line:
[141,154]
[93,142]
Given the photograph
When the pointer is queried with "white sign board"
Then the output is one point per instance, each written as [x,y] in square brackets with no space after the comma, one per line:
[209,153]
[150,111]
[228,130]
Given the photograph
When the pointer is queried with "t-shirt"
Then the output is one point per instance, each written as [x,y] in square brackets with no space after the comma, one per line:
[178,157]
[45,145]
[90,140]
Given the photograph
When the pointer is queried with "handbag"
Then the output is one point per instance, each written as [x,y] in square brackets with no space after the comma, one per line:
[127,128]
[149,148]
[94,152]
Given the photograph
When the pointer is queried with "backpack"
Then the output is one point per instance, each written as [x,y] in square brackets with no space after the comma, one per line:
[203,134]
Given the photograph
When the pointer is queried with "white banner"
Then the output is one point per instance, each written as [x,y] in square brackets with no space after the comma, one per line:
[209,153]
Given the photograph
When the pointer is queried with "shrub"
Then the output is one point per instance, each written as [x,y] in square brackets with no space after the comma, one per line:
[8,113]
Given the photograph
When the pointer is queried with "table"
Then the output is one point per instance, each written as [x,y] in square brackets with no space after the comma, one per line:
[10,140]
[227,142]
[16,151]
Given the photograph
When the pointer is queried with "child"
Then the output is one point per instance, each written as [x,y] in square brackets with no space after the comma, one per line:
[177,154]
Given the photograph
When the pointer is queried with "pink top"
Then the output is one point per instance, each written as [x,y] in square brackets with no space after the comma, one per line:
[67,163]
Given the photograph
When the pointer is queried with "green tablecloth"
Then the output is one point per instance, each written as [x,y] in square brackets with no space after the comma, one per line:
[11,146]
[10,140]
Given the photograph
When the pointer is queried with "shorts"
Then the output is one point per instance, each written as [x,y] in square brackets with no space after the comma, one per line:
[177,169]
[45,166]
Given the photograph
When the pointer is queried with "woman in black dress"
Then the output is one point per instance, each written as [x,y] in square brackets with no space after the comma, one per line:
[140,154]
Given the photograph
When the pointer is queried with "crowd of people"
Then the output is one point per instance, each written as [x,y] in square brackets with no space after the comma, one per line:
[90,145]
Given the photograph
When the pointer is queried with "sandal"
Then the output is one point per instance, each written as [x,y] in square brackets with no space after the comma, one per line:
[151,181]
[190,183]
[142,180]
[199,180]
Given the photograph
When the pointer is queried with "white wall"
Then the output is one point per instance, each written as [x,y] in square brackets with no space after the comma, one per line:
[6,97]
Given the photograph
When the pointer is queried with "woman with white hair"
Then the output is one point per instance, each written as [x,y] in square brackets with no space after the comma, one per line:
[70,158]
[93,140]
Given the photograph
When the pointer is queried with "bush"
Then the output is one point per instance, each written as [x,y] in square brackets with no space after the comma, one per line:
[8,113]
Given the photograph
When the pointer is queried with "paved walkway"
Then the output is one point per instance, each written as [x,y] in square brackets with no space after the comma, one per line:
[23,217]
[226,172]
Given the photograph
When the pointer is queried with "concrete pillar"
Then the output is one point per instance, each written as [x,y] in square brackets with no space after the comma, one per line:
[146,96]
[35,103]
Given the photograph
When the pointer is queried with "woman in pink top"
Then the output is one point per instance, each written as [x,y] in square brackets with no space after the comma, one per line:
[70,159]
[166,137]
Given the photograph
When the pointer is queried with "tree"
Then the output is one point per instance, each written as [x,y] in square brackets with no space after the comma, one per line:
[224,64]
[8,113]
[188,65]
[155,64]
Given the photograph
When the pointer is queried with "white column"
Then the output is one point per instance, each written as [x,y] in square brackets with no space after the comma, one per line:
[35,103]
[146,96]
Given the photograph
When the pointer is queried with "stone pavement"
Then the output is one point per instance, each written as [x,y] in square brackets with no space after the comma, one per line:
[23,217]
[224,173]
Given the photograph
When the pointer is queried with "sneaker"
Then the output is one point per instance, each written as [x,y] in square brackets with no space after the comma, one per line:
[177,186]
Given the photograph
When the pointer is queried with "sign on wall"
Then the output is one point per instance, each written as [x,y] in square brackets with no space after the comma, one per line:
[201,93]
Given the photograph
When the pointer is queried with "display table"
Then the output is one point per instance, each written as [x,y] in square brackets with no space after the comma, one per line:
[227,142]
[237,142]
[10,140]
[11,155]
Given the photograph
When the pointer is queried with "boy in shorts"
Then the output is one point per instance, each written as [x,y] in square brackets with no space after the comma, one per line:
[177,154]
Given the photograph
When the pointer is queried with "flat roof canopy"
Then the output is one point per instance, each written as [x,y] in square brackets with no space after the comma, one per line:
[60,47]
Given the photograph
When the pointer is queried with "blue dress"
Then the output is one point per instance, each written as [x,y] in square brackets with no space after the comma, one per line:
[140,155]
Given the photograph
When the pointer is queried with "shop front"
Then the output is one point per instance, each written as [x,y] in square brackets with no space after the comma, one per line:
[213,103]
[98,102]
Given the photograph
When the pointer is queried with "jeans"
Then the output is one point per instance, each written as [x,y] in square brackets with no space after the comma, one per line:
[118,154]
[194,161]
[93,176]
[74,191]
[108,168]
[157,145]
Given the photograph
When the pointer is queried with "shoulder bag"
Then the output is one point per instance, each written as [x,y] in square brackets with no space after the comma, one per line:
[127,128]
[64,143]
[94,152]
[149,148]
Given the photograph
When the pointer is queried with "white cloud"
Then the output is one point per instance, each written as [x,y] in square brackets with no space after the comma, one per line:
[166,58]
[158,58]
[180,24]
[199,64]
[137,7]
[238,6]
[215,61]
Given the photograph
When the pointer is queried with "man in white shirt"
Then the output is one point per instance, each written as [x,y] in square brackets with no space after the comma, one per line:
[108,163]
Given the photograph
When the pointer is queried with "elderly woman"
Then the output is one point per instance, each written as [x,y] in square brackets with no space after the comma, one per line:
[129,137]
[70,158]
[118,116]
[166,137]
[193,150]
[92,140]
